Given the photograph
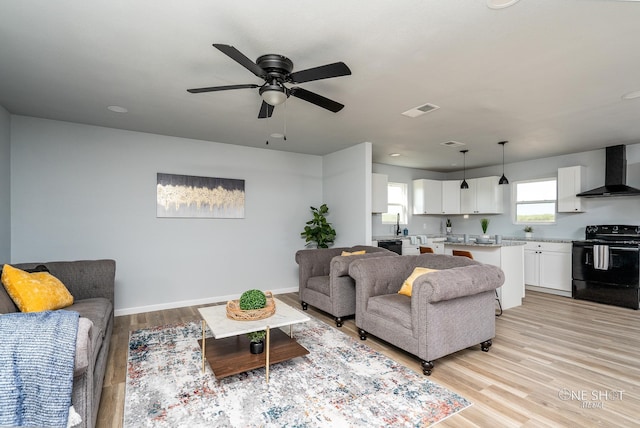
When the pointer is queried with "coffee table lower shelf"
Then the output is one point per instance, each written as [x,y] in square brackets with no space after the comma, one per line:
[230,356]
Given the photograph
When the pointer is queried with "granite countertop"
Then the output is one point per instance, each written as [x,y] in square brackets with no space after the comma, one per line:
[504,243]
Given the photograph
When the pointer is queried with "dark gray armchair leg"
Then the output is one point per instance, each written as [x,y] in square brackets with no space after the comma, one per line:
[338,321]
[427,367]
[363,334]
[304,306]
[486,345]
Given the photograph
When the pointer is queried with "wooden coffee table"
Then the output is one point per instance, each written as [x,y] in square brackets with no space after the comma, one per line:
[229,353]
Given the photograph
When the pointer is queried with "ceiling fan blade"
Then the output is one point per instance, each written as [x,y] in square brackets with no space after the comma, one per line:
[241,59]
[266,110]
[221,88]
[316,99]
[336,69]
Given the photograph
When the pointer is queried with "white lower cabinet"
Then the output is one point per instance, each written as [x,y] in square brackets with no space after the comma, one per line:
[547,265]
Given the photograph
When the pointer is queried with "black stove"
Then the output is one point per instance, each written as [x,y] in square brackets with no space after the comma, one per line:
[606,265]
[612,234]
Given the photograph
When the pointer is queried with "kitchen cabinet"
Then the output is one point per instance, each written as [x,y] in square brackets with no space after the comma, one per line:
[570,181]
[427,196]
[451,197]
[547,265]
[436,197]
[437,244]
[484,196]
[379,198]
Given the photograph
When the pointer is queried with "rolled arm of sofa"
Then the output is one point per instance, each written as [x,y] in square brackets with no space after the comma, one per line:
[448,284]
[316,262]
[340,264]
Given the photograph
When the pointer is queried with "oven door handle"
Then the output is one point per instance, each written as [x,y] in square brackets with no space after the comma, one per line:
[631,249]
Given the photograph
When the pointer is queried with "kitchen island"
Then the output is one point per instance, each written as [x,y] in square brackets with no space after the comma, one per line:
[508,256]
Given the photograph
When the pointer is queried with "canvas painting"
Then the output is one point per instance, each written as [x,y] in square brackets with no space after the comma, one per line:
[204,197]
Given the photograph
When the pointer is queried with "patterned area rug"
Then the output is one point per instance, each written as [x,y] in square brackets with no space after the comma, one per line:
[340,383]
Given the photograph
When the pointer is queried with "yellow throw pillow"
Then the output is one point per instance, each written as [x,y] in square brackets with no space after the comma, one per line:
[35,292]
[407,285]
[353,253]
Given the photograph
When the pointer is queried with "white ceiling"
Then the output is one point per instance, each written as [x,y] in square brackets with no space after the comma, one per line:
[546,75]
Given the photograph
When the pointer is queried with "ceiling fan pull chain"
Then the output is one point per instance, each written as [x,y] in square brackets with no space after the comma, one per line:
[285,119]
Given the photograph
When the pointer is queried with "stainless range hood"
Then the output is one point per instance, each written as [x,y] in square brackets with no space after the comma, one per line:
[615,179]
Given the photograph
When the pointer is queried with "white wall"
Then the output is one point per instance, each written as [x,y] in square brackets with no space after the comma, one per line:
[84,192]
[347,193]
[5,185]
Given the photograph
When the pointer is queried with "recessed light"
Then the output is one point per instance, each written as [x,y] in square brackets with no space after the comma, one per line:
[394,155]
[117,109]
[277,135]
[500,4]
[631,95]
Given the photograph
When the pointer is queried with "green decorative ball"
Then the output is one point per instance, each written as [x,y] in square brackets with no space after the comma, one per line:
[252,299]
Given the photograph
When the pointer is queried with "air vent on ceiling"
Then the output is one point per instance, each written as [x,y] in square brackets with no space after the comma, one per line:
[420,110]
[452,144]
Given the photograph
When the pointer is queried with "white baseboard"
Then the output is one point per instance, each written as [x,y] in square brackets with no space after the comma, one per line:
[184,303]
[548,290]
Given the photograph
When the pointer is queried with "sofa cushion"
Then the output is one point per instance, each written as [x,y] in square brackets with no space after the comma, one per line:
[35,292]
[393,307]
[98,310]
[319,284]
[6,304]
[407,285]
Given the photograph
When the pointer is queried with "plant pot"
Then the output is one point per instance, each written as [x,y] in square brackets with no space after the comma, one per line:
[448,230]
[256,347]
[528,234]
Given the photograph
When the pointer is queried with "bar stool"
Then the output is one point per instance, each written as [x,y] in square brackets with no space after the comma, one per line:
[463,253]
[424,250]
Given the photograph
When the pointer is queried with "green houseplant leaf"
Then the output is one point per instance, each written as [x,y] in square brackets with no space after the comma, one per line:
[484,223]
[318,230]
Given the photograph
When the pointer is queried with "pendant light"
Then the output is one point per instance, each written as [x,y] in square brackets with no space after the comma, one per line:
[503,179]
[464,184]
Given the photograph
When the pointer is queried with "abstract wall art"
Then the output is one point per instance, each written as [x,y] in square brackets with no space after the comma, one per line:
[203,197]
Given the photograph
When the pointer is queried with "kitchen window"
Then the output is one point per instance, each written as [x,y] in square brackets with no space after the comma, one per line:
[535,201]
[397,203]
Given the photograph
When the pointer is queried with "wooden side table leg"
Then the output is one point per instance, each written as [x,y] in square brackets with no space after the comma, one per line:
[267,357]
[203,345]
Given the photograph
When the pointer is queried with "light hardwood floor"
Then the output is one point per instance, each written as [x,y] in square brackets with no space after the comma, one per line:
[548,354]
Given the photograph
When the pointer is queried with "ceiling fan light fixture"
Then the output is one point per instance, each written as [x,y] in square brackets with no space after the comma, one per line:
[503,179]
[273,94]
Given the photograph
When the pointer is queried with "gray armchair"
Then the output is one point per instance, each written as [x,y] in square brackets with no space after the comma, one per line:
[324,280]
[449,310]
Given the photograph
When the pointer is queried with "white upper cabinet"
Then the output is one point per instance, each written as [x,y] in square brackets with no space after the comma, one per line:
[451,197]
[484,196]
[436,197]
[379,198]
[427,196]
[569,184]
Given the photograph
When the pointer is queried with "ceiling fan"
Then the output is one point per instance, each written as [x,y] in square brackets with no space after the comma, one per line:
[276,71]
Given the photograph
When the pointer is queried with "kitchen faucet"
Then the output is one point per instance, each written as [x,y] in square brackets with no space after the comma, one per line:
[398,231]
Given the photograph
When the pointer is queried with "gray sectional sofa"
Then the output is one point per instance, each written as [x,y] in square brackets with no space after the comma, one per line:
[449,310]
[91,282]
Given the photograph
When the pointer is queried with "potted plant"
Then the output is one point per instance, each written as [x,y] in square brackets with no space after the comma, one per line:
[256,346]
[484,223]
[448,225]
[528,231]
[318,230]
